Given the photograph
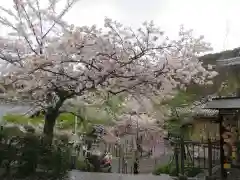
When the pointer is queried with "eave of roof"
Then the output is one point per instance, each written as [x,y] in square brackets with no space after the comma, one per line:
[197,112]
[230,103]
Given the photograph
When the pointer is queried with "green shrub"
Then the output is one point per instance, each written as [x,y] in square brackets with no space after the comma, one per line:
[27,156]
[192,171]
[83,165]
[172,171]
[165,169]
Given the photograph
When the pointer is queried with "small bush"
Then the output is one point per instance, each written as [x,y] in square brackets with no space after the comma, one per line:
[171,170]
[27,156]
[165,169]
[83,165]
[192,171]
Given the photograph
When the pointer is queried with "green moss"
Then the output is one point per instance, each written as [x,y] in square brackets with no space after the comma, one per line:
[64,121]
[22,119]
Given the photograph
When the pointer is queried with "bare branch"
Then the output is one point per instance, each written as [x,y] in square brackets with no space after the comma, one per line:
[64,11]
[30,24]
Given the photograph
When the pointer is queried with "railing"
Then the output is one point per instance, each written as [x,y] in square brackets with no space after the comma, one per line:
[124,156]
[204,154]
[201,152]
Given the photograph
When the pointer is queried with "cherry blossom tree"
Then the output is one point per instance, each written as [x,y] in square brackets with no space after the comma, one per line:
[52,62]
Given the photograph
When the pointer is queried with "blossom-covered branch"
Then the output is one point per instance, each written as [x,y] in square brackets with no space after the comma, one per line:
[56,62]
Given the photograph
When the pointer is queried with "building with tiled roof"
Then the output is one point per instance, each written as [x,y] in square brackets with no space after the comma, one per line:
[201,120]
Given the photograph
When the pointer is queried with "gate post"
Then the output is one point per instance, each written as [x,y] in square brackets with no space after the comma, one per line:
[221,128]
[209,158]
[182,155]
[119,159]
[176,158]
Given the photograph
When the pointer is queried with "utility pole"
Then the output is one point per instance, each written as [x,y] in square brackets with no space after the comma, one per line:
[136,161]
[75,125]
[226,35]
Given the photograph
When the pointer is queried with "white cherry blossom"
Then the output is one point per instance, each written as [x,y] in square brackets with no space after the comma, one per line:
[52,61]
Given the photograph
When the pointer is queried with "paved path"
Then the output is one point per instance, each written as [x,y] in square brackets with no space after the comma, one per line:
[75,175]
[146,164]
[161,155]
[233,174]
[161,149]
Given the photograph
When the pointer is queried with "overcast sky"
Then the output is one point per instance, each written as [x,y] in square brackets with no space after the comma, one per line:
[213,18]
[217,20]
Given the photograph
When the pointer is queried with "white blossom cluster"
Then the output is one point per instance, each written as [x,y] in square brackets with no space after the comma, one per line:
[45,57]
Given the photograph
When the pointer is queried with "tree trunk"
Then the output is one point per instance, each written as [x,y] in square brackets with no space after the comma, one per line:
[50,121]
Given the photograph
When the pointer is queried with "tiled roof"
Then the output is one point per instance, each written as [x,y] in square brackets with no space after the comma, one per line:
[224,103]
[198,108]
[198,111]
[229,62]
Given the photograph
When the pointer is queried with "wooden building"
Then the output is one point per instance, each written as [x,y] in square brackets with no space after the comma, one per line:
[200,122]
